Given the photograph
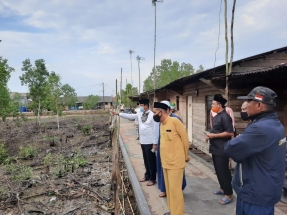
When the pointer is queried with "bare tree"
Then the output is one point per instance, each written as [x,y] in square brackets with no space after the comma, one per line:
[231,37]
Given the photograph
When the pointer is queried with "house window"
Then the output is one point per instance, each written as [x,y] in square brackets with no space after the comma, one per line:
[208,103]
[177,102]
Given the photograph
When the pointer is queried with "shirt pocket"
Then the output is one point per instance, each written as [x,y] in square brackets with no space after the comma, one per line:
[217,126]
[167,136]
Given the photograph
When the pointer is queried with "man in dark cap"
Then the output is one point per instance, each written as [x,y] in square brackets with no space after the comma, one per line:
[148,138]
[221,132]
[260,152]
[174,147]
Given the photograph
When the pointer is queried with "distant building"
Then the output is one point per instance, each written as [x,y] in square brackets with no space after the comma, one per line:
[81,100]
[24,101]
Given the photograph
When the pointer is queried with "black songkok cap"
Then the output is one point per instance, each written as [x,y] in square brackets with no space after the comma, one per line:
[160,105]
[220,99]
[144,101]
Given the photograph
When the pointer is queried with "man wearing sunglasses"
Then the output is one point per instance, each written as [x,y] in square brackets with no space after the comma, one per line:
[260,152]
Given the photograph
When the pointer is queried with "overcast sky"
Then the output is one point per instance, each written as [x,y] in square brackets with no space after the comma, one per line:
[87,42]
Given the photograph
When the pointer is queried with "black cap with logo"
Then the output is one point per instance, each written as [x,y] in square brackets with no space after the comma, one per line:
[261,94]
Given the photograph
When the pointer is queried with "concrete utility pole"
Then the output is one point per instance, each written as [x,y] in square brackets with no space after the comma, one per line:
[139,59]
[154,71]
[121,86]
[131,52]
[104,106]
[116,93]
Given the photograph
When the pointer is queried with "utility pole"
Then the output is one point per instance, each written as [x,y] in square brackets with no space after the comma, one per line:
[139,59]
[154,70]
[121,85]
[104,106]
[131,52]
[116,93]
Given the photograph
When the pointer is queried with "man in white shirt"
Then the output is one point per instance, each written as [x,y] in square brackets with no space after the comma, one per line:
[148,138]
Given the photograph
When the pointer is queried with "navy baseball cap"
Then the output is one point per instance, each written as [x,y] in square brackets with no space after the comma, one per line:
[261,94]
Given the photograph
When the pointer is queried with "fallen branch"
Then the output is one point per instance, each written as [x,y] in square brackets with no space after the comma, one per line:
[98,197]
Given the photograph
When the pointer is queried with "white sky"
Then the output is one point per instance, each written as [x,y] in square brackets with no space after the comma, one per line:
[87,42]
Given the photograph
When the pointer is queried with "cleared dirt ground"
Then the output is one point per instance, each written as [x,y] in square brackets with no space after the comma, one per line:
[68,173]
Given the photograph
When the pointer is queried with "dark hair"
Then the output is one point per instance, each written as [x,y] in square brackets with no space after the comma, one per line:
[222,105]
[147,104]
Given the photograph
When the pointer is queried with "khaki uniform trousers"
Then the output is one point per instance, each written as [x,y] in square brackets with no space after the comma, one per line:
[173,183]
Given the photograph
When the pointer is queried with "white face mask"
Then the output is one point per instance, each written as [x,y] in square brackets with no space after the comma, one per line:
[141,109]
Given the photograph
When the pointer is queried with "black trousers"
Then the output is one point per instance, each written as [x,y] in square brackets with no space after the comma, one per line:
[223,173]
[149,162]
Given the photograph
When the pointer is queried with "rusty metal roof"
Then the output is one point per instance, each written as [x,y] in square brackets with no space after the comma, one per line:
[219,71]
[267,69]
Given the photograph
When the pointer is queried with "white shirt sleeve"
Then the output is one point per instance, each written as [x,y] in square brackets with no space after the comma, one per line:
[156,131]
[128,116]
[155,134]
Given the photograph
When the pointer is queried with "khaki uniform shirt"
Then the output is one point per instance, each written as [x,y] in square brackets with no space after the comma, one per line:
[174,144]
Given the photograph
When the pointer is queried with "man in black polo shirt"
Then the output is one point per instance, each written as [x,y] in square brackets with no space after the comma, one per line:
[222,131]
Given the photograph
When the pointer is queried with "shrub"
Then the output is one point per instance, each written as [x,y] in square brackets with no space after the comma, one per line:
[48,159]
[27,152]
[3,153]
[3,193]
[87,129]
[19,172]
[61,166]
[78,161]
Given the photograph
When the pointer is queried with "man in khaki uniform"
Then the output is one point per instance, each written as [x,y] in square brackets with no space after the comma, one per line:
[174,147]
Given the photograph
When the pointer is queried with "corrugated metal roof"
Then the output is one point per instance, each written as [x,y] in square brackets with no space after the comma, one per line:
[219,71]
[81,99]
[267,69]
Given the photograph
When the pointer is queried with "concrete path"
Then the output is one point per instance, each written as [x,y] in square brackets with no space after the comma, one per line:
[201,182]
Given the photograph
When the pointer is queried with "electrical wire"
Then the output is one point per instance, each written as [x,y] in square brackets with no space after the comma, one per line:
[218,36]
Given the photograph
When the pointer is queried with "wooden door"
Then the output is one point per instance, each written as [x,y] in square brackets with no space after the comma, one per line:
[189,118]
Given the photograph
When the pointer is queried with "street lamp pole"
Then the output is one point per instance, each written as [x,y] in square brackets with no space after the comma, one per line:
[131,52]
[139,59]
[154,70]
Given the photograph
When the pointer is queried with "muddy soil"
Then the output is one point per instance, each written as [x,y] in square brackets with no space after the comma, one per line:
[70,171]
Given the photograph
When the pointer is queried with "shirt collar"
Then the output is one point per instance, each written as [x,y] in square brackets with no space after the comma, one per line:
[166,119]
[147,111]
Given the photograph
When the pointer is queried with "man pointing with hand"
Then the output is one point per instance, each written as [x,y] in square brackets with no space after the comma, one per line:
[148,139]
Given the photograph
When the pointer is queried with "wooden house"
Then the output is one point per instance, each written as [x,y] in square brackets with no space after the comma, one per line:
[106,100]
[193,94]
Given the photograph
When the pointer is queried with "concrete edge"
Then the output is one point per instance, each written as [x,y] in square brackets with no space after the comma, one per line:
[209,165]
[140,198]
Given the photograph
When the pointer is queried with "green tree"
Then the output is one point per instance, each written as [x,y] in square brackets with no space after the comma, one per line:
[36,78]
[126,93]
[200,69]
[4,102]
[53,91]
[15,103]
[58,95]
[92,101]
[5,74]
[69,95]
[167,72]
